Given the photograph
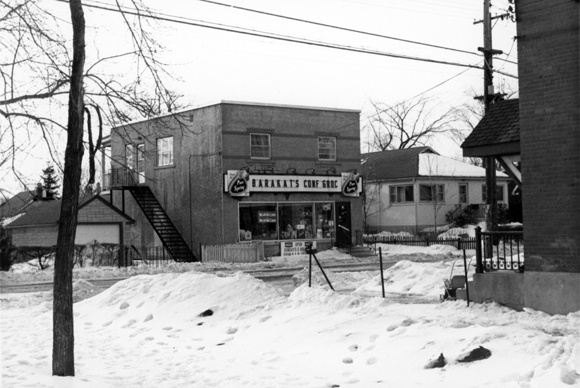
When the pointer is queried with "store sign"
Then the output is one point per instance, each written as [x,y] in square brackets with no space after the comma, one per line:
[294,248]
[239,183]
[351,184]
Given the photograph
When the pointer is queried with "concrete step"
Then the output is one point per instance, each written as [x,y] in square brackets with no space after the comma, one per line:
[360,251]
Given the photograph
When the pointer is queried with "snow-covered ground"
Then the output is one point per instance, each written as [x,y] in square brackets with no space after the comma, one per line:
[148,331]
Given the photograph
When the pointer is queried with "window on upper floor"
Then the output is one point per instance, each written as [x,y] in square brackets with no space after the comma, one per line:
[401,194]
[326,148]
[260,146]
[430,193]
[498,193]
[165,151]
[130,156]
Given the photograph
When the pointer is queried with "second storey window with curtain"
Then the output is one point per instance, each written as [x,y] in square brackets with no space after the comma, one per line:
[165,151]
[260,146]
[326,148]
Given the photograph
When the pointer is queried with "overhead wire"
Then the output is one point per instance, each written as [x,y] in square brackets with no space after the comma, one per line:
[268,35]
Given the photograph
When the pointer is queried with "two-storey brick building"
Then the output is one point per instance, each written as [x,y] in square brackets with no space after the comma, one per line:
[235,172]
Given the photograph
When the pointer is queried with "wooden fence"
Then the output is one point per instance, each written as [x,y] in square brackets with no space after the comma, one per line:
[233,253]
[459,243]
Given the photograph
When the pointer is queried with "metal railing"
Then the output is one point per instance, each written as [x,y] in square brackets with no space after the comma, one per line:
[459,243]
[499,251]
[118,177]
[152,256]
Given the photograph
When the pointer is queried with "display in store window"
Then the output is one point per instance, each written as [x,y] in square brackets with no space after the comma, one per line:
[258,222]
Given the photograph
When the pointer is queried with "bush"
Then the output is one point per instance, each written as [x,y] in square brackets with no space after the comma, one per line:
[469,216]
[41,254]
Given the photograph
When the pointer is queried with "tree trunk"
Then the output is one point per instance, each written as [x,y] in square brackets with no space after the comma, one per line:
[63,328]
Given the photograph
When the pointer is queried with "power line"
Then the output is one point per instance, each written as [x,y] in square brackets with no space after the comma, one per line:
[243,31]
[337,27]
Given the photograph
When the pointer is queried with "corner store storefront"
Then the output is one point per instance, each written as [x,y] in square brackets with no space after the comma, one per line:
[323,209]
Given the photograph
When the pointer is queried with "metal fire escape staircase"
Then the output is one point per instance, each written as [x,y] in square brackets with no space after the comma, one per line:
[161,223]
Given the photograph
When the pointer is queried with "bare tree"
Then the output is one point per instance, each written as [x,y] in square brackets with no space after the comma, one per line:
[42,75]
[371,195]
[434,191]
[406,124]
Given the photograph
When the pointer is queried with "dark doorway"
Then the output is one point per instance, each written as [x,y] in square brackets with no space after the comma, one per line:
[343,233]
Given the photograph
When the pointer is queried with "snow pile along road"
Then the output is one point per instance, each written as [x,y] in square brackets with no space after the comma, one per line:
[201,330]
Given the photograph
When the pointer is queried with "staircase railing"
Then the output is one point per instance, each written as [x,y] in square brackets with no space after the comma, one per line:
[119,177]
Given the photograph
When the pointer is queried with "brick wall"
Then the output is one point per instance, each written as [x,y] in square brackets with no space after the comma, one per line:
[548,57]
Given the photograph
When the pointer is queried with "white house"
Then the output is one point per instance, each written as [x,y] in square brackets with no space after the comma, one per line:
[413,189]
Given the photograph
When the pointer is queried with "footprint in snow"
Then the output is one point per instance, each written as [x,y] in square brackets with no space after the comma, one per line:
[148,318]
[231,330]
[128,324]
[373,337]
[347,360]
[123,306]
[372,360]
[353,348]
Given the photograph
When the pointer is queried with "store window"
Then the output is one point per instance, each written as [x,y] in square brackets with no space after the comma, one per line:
[429,193]
[295,221]
[165,151]
[326,148]
[401,194]
[286,221]
[258,222]
[324,220]
[260,146]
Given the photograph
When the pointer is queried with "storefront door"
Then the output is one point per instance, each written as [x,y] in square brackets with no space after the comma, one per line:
[343,233]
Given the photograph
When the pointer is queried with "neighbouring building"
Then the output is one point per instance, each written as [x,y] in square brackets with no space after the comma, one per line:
[548,143]
[97,221]
[416,188]
[236,172]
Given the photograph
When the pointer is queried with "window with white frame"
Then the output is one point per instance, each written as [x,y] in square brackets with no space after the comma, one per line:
[326,148]
[498,193]
[165,151]
[401,194]
[260,146]
[432,193]
[462,193]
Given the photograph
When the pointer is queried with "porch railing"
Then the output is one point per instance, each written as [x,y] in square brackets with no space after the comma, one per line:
[119,177]
[499,251]
[152,256]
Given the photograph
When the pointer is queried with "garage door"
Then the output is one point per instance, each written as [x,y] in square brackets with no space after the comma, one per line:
[107,233]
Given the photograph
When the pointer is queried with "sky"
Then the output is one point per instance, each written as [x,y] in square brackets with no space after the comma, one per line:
[147,331]
[211,65]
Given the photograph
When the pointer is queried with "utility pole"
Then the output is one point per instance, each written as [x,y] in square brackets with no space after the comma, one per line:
[489,95]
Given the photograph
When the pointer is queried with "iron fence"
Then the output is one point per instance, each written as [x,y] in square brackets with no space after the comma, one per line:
[152,256]
[499,251]
[459,243]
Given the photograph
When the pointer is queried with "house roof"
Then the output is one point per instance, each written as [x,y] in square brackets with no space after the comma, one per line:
[393,164]
[16,204]
[48,212]
[498,133]
[415,163]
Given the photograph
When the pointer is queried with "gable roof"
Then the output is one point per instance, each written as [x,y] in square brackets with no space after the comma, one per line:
[498,133]
[16,204]
[415,163]
[48,212]
[393,164]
